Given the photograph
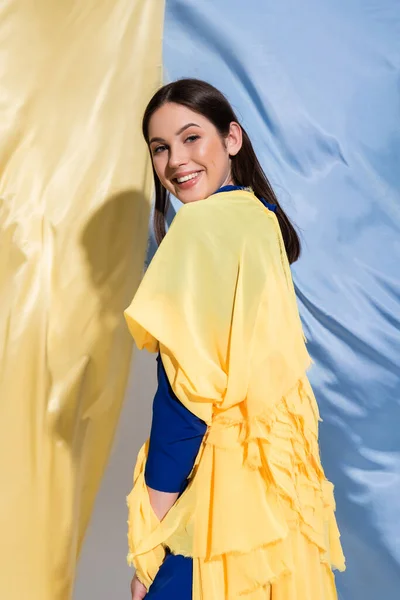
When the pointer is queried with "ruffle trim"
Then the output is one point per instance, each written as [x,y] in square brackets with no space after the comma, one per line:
[293,565]
[282,447]
[248,526]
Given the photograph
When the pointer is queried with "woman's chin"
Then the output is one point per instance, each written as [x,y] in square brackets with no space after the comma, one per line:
[190,196]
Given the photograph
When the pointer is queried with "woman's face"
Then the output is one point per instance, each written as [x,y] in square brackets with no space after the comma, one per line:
[189,156]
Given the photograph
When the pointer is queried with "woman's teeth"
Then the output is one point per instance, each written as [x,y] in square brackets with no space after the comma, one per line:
[187,177]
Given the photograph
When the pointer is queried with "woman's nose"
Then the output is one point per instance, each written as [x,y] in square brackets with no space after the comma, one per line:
[177,157]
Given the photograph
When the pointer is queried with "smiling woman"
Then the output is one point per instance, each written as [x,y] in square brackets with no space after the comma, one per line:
[191,160]
[192,112]
[229,494]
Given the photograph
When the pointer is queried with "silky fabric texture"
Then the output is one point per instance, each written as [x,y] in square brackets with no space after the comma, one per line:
[75,196]
[316,86]
[258,510]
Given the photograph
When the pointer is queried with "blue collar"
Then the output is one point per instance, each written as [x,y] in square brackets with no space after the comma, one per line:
[232,188]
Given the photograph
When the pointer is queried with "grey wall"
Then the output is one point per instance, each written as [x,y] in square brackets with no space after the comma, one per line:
[103,573]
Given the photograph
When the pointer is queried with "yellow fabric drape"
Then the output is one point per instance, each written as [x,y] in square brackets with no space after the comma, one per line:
[75,199]
[258,514]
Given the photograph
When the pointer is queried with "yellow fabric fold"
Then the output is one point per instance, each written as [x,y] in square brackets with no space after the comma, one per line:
[75,195]
[141,524]
[218,302]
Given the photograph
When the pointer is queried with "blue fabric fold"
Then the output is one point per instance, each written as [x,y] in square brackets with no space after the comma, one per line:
[316,85]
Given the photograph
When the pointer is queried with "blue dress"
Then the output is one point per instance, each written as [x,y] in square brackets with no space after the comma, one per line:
[175,439]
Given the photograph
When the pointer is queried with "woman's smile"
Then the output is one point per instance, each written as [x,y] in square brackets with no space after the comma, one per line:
[185,182]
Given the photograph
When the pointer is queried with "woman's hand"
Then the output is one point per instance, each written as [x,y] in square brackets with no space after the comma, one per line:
[138,589]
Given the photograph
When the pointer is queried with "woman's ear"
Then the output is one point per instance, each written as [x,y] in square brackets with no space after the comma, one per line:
[234,139]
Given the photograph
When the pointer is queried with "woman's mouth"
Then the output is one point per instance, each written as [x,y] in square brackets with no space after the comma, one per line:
[187,181]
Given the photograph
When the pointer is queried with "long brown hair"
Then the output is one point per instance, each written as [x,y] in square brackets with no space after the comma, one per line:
[203,98]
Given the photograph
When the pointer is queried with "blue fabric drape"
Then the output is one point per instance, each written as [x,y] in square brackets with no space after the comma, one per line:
[316,84]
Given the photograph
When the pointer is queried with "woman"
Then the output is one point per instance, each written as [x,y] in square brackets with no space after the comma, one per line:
[229,495]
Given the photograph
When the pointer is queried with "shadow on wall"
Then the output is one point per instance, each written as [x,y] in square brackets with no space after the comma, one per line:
[114,242]
[115,245]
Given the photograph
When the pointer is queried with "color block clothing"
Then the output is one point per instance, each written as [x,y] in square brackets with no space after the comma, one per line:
[175,439]
[174,579]
[257,516]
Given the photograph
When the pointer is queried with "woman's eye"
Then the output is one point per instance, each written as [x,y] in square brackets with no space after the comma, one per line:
[159,149]
[192,138]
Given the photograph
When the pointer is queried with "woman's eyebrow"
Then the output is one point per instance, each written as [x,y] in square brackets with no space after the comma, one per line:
[181,130]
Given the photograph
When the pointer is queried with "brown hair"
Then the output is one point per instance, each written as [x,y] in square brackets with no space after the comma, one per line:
[203,98]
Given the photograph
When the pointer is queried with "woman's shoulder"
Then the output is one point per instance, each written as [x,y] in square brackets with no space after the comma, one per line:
[200,209]
[237,212]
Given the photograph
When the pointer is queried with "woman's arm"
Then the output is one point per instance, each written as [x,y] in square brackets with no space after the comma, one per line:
[175,439]
[161,502]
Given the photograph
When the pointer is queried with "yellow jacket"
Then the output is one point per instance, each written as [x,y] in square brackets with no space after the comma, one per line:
[218,303]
